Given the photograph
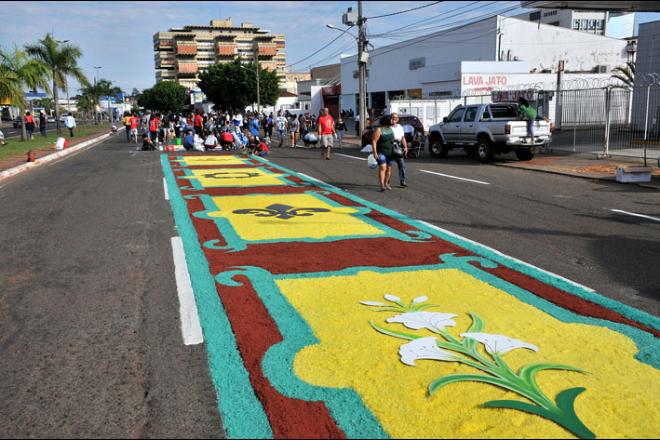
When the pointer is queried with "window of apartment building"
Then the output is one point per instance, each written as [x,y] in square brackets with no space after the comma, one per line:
[535,16]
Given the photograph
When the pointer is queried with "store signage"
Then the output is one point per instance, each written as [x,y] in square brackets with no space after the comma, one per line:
[485,80]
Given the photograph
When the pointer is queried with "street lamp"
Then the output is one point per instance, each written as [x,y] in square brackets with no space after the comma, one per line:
[329,26]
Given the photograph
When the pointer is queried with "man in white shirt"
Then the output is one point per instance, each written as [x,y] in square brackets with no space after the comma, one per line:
[282,125]
[70,123]
[399,136]
[211,142]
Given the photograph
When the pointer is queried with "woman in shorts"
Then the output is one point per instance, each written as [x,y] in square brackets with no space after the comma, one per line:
[383,146]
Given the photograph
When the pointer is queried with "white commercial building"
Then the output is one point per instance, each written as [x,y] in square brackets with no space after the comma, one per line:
[496,54]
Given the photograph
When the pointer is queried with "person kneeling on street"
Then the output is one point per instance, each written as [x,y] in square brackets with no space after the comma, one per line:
[189,141]
[147,143]
[257,146]
[310,139]
[211,142]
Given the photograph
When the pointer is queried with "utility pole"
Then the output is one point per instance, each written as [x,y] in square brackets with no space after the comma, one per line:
[558,98]
[362,68]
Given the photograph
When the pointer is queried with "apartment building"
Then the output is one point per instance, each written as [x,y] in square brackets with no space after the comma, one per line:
[182,53]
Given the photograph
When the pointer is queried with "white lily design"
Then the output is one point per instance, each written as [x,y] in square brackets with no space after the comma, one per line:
[429,320]
[499,344]
[373,303]
[425,348]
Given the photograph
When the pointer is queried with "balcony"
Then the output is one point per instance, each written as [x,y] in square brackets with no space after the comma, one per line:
[267,49]
[186,69]
[163,45]
[268,65]
[186,49]
[226,50]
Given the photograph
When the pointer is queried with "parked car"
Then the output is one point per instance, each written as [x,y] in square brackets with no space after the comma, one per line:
[486,130]
[417,139]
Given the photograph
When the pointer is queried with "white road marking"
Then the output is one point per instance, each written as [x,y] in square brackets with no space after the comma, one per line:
[636,215]
[455,177]
[190,327]
[167,192]
[507,256]
[320,181]
[352,157]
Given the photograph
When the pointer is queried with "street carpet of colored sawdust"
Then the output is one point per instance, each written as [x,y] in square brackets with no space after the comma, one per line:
[360,366]
[229,177]
[622,394]
[338,221]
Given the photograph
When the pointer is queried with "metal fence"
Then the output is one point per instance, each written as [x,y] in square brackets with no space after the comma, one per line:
[610,121]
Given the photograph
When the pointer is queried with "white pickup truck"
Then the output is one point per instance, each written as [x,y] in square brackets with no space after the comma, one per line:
[486,130]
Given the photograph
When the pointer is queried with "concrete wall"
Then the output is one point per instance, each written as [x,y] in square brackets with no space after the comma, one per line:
[544,46]
[648,61]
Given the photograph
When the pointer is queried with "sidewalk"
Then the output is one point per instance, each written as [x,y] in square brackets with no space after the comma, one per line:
[47,149]
[584,166]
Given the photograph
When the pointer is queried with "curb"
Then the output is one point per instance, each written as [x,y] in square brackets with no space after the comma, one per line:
[579,176]
[51,157]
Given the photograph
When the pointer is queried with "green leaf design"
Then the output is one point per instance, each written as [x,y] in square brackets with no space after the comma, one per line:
[476,327]
[528,372]
[453,378]
[570,420]
[520,406]
[396,334]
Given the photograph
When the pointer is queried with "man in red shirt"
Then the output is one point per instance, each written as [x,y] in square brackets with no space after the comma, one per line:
[327,133]
[134,122]
[199,124]
[153,127]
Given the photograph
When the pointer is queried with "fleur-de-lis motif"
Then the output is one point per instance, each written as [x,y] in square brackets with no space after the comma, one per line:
[284,212]
[230,175]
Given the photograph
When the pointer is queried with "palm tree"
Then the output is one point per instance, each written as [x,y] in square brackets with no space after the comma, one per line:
[87,103]
[62,61]
[625,74]
[105,88]
[18,72]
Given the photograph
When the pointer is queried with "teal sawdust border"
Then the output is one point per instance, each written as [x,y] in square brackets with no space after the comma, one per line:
[242,412]
[197,186]
[236,243]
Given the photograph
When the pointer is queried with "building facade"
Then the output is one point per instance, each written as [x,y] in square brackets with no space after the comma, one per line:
[182,53]
[519,53]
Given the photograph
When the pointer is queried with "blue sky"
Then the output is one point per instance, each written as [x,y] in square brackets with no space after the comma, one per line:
[118,35]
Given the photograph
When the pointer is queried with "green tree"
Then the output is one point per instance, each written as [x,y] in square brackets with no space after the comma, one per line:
[105,88]
[62,61]
[163,97]
[233,86]
[625,74]
[87,103]
[18,72]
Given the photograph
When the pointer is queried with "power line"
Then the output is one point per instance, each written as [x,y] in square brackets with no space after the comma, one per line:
[319,50]
[404,11]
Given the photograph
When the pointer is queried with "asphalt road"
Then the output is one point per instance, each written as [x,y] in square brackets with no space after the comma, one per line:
[90,340]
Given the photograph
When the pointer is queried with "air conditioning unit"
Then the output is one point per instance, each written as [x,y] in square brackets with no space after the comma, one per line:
[602,69]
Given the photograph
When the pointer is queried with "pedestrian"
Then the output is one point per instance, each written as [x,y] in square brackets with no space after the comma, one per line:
[2,138]
[400,139]
[281,127]
[257,146]
[341,130]
[43,124]
[154,122]
[133,126]
[254,125]
[198,123]
[382,147]
[357,125]
[28,120]
[127,125]
[70,123]
[326,130]
[270,123]
[528,113]
[294,128]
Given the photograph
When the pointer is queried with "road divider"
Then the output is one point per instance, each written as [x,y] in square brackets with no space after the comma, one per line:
[455,177]
[648,217]
[191,330]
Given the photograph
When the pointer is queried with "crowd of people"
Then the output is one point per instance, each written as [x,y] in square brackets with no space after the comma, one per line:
[226,131]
